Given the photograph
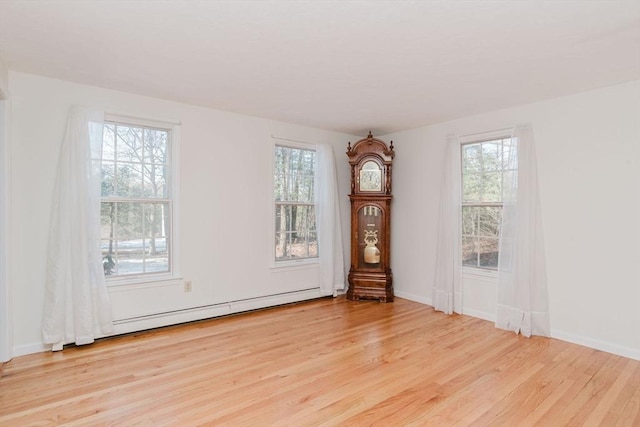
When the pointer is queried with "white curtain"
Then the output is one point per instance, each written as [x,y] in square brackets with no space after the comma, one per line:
[76,307]
[522,283]
[447,289]
[328,225]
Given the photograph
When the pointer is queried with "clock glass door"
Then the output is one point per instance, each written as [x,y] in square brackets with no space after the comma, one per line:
[370,237]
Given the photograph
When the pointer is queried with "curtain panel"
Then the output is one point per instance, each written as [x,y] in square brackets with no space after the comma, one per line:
[76,306]
[331,275]
[522,299]
[447,288]
[522,305]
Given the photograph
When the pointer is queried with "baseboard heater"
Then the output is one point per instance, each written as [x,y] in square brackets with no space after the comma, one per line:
[190,314]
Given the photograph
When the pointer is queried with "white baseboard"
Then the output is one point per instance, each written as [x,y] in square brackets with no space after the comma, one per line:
[215,310]
[412,297]
[491,317]
[24,349]
[631,353]
[619,350]
[424,300]
[124,326]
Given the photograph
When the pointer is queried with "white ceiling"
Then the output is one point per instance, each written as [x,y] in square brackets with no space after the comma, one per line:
[348,66]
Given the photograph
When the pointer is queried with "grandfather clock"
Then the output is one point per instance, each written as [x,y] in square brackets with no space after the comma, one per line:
[370,274]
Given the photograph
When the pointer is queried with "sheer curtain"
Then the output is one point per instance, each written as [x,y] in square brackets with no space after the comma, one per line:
[447,289]
[328,225]
[76,307]
[522,283]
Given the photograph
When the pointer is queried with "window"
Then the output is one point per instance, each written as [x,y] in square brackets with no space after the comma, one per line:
[295,219]
[137,200]
[483,166]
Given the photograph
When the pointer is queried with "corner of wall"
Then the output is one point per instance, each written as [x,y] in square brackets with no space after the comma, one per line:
[4,80]
[6,321]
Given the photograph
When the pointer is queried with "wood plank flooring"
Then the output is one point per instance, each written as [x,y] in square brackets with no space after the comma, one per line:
[329,362]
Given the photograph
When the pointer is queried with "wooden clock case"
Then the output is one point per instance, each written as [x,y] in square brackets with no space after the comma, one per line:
[370,275]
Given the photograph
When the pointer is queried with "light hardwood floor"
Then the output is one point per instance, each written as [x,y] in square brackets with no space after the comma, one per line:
[324,362]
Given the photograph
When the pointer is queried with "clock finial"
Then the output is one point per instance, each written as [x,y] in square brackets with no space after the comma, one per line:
[370,135]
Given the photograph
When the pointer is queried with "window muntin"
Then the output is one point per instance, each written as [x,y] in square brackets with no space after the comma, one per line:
[484,165]
[136,206]
[295,219]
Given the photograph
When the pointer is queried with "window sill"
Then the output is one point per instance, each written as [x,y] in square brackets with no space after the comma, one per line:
[479,273]
[167,279]
[299,264]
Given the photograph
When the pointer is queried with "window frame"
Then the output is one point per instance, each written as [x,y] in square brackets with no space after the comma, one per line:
[483,272]
[290,263]
[173,201]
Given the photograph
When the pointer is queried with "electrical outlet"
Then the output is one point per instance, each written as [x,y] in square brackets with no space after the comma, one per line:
[187,285]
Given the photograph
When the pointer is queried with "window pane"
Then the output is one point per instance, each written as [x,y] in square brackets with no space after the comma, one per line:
[305,188]
[492,187]
[489,221]
[469,252]
[469,219]
[285,220]
[297,187]
[492,155]
[109,142]
[279,214]
[128,143]
[488,249]
[107,219]
[108,178]
[155,146]
[108,257]
[282,226]
[471,158]
[130,257]
[313,244]
[295,235]
[283,245]
[280,243]
[129,221]
[312,219]
[155,184]
[279,186]
[129,180]
[156,255]
[294,174]
[156,220]
[299,246]
[304,218]
[472,187]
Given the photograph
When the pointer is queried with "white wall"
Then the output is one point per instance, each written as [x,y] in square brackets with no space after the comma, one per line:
[225,212]
[6,351]
[4,78]
[588,149]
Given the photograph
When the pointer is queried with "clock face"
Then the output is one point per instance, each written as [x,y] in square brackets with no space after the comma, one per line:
[370,177]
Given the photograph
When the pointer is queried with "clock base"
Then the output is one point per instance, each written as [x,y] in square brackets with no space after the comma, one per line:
[369,285]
